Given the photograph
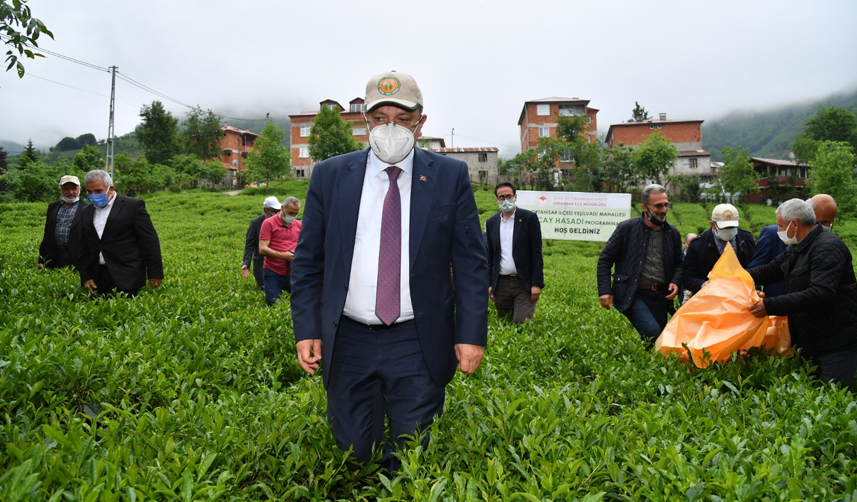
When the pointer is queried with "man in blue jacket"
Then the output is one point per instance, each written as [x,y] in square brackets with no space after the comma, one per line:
[389,277]
[647,254]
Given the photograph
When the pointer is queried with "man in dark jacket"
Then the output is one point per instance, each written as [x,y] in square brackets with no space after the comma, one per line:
[647,255]
[119,248]
[61,241]
[820,292]
[515,262]
[251,242]
[704,252]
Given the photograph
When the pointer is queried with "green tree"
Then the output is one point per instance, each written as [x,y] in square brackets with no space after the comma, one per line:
[86,139]
[138,176]
[157,133]
[687,187]
[19,30]
[4,166]
[619,170]
[30,154]
[638,114]
[190,171]
[269,159]
[88,158]
[201,134]
[737,174]
[654,157]
[330,135]
[35,181]
[828,124]
[66,144]
[832,173]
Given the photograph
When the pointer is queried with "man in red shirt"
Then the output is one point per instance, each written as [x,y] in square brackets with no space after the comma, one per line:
[278,239]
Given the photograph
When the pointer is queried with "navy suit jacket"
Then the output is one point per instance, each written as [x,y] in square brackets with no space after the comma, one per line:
[448,269]
[526,249]
[769,247]
[129,244]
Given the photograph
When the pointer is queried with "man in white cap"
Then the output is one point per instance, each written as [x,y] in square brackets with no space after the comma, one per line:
[704,251]
[389,277]
[61,242]
[251,242]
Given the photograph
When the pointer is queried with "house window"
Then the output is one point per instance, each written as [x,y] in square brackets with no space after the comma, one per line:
[802,173]
[358,131]
[483,157]
[544,132]
[305,131]
[693,163]
[357,107]
[783,171]
[660,126]
[651,127]
[304,153]
[588,120]
[300,173]
[543,109]
[566,156]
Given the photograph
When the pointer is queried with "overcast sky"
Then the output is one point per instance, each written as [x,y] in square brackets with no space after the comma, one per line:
[476,62]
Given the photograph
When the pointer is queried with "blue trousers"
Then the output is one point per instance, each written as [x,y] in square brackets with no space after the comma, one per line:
[379,372]
[275,284]
[648,313]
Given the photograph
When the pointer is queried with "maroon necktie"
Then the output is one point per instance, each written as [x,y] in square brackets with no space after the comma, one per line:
[387,294]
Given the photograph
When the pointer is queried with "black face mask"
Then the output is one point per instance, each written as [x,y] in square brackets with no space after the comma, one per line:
[652,217]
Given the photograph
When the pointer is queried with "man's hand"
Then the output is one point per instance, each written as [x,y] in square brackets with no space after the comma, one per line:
[90,285]
[490,293]
[606,301]
[155,282]
[704,284]
[759,309]
[290,256]
[309,354]
[673,289]
[469,357]
[245,271]
[535,292]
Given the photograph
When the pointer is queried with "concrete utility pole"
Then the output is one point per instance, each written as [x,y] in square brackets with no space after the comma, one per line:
[110,132]
[452,139]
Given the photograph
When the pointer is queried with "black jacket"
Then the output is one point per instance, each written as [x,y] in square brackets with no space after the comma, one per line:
[821,292]
[129,244]
[526,249]
[626,248]
[50,255]
[702,254]
[251,249]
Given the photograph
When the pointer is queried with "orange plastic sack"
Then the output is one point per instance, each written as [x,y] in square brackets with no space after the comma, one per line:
[717,320]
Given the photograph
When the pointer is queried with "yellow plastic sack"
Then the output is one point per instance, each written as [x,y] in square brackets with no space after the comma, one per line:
[717,320]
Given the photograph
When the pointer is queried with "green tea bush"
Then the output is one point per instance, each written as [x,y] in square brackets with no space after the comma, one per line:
[192,392]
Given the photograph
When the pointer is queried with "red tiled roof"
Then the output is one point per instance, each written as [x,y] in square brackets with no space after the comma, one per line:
[239,131]
[776,162]
[693,153]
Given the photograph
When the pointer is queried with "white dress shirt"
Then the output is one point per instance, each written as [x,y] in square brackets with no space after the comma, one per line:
[507,234]
[99,219]
[363,282]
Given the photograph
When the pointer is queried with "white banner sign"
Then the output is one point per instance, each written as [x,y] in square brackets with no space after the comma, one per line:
[577,216]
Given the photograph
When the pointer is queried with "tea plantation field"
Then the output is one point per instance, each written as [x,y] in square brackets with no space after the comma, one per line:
[192,391]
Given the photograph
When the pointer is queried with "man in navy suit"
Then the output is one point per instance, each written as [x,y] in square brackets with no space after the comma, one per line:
[389,277]
[515,259]
[119,246]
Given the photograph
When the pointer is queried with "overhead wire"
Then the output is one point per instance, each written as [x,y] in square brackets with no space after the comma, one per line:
[121,76]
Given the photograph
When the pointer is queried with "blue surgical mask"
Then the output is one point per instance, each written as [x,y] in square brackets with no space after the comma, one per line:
[98,200]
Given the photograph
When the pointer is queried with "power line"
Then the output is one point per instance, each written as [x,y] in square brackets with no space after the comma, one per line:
[30,74]
[122,76]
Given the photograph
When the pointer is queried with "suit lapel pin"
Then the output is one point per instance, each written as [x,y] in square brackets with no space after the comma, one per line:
[423,178]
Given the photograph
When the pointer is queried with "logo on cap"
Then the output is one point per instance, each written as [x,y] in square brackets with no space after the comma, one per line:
[727,215]
[389,86]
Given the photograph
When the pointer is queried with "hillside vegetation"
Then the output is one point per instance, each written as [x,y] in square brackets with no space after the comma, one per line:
[192,391]
[769,133]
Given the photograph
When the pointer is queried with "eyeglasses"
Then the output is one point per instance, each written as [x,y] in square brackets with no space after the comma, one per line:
[665,205]
[501,198]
